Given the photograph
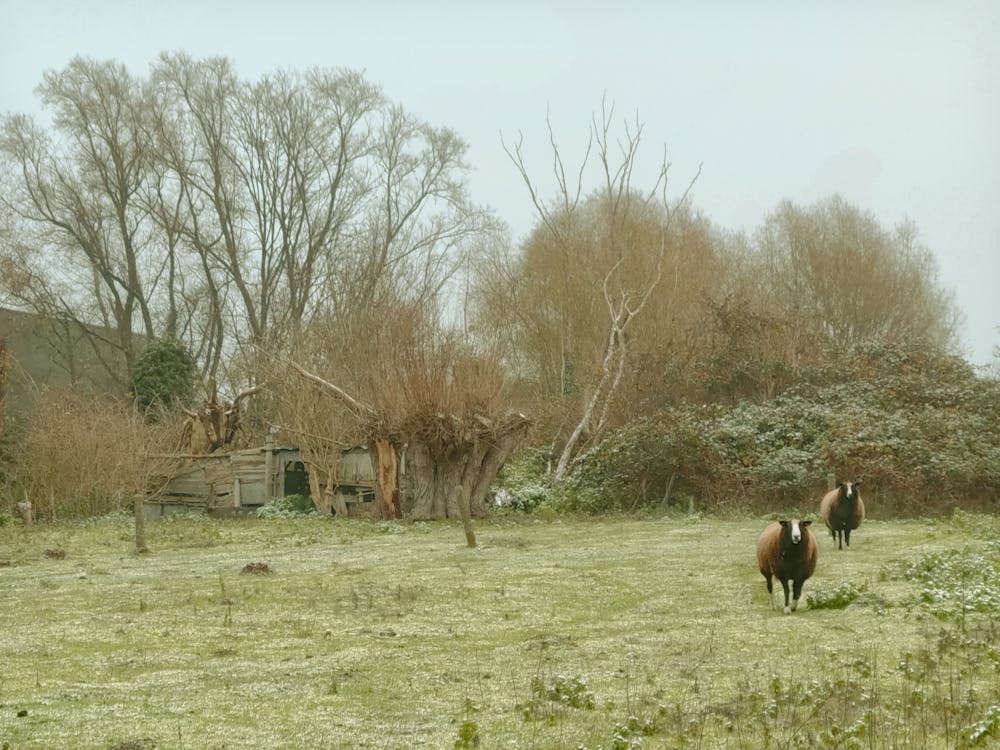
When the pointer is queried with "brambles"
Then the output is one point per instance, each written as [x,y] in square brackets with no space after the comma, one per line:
[957,582]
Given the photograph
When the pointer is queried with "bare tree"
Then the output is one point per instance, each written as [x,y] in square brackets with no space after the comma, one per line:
[82,194]
[308,195]
[837,271]
[224,213]
[628,277]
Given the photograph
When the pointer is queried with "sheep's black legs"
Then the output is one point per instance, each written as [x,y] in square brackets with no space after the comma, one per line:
[784,585]
[796,593]
[770,594]
[847,537]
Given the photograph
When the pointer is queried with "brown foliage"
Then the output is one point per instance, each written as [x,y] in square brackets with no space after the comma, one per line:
[838,272]
[87,455]
[547,302]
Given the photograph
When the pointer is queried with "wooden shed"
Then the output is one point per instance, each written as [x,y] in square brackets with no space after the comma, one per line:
[240,482]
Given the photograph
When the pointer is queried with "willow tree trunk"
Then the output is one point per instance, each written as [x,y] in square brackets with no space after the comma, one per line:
[452,481]
[493,460]
[385,462]
[441,480]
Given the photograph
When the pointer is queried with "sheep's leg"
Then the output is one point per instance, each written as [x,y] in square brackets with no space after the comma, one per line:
[847,537]
[840,539]
[784,585]
[796,593]
[770,593]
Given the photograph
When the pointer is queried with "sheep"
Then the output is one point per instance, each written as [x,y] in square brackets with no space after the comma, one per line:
[843,511]
[787,551]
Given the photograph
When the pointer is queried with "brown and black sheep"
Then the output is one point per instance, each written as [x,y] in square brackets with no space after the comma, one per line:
[843,511]
[787,550]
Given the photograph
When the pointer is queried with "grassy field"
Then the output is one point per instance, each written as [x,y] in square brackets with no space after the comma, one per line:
[552,634]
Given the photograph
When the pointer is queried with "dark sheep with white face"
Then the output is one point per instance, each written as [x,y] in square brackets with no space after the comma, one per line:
[787,550]
[843,511]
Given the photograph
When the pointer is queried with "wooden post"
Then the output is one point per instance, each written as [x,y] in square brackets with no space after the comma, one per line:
[268,468]
[237,502]
[139,512]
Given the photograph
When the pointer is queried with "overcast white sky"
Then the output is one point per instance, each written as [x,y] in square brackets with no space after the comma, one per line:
[895,105]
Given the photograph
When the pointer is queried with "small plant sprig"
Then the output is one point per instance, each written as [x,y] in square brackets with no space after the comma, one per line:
[982,731]
[562,691]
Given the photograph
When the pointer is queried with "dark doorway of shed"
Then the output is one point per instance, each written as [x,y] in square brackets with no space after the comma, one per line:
[296,479]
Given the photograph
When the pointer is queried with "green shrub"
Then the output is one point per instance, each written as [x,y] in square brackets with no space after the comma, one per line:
[523,483]
[163,375]
[980,733]
[838,598]
[560,692]
[289,506]
[956,582]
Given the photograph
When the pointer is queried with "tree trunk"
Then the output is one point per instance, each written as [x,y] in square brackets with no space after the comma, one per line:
[452,482]
[421,471]
[496,456]
[433,474]
[460,495]
[317,491]
[385,462]
[334,500]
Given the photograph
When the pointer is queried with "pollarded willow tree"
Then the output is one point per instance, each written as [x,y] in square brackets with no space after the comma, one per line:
[608,258]
[411,391]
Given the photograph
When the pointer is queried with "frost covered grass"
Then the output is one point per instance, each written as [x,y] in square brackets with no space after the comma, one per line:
[613,634]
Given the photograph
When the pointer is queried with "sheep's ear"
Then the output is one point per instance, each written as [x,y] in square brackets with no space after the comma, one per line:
[805,523]
[783,522]
[857,483]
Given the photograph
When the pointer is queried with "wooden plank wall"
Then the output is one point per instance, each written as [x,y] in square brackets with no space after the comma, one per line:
[240,480]
[227,480]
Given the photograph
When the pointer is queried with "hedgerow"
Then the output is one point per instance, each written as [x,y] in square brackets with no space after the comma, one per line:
[922,431]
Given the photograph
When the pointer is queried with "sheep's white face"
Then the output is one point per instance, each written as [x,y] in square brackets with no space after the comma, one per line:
[794,531]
